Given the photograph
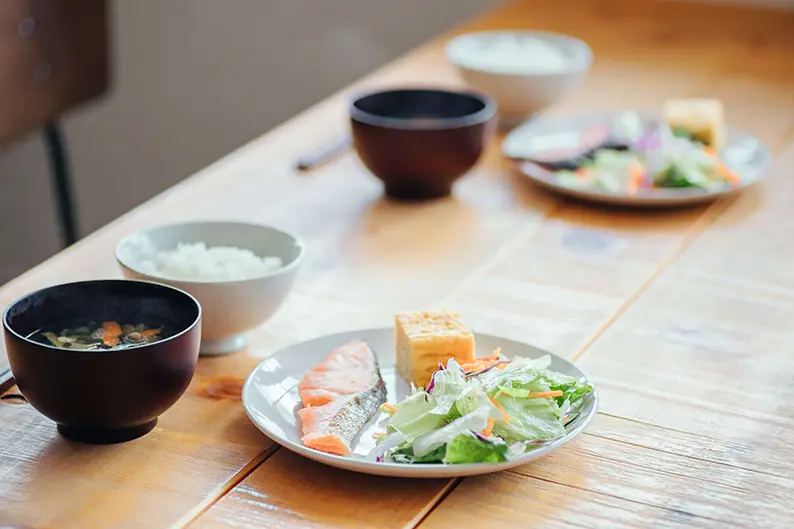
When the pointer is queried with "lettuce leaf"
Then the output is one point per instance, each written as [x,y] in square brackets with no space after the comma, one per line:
[447,385]
[413,417]
[519,372]
[406,455]
[467,448]
[475,421]
[530,419]
[475,399]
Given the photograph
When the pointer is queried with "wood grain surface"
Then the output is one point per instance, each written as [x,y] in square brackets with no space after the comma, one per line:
[681,317]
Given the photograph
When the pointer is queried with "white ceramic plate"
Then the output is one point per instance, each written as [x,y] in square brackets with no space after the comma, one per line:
[547,132]
[270,398]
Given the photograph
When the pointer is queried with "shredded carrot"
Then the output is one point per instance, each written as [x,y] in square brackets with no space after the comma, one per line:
[583,173]
[728,175]
[378,435]
[489,430]
[722,169]
[636,177]
[478,364]
[500,408]
[544,394]
[150,332]
[390,407]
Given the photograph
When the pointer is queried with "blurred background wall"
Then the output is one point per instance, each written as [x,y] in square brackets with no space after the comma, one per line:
[193,80]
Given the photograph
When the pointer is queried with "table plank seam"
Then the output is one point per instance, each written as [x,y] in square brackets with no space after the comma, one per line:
[687,456]
[659,472]
[698,227]
[660,475]
[504,251]
[769,418]
[646,424]
[785,141]
[688,514]
[434,502]
[216,495]
[755,285]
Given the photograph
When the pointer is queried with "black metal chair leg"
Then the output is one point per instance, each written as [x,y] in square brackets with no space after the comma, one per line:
[59,165]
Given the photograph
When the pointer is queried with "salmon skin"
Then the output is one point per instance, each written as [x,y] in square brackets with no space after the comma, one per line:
[340,395]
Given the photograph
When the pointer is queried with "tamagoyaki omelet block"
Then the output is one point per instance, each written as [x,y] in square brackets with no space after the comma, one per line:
[429,337]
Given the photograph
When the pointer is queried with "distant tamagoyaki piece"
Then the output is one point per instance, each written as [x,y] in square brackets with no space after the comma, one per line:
[702,119]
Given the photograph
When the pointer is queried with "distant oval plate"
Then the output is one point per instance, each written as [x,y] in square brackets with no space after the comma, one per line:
[562,132]
[271,400]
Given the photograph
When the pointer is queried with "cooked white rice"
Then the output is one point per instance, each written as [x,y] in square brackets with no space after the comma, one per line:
[197,262]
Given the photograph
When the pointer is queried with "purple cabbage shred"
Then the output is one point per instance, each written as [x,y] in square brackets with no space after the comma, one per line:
[432,383]
[650,140]
[433,377]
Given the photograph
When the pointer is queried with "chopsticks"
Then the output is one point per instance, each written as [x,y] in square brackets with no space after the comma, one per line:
[324,153]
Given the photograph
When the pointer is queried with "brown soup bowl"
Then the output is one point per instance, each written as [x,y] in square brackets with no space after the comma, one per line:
[104,396]
[420,141]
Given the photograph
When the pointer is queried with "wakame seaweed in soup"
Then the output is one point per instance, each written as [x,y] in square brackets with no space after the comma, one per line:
[97,335]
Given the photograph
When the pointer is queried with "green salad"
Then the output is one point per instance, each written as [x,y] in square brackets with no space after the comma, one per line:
[493,411]
[638,156]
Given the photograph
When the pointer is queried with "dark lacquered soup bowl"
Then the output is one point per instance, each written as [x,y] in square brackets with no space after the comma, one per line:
[112,395]
[420,141]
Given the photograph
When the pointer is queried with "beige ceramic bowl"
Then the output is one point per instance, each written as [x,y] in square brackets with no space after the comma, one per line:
[231,309]
[521,88]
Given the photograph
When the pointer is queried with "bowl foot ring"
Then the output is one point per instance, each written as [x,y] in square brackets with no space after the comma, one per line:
[418,191]
[103,436]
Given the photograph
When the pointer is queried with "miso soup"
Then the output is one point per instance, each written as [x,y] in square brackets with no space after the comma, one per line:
[98,335]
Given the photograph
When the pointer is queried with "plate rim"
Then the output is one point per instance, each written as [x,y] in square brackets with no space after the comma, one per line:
[418,470]
[667,197]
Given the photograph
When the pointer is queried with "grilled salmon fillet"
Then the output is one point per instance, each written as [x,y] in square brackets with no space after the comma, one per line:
[339,395]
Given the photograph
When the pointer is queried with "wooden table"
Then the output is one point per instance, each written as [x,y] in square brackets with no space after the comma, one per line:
[683,318]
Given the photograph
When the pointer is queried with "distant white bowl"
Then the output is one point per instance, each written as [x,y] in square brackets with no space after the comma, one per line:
[524,71]
[231,309]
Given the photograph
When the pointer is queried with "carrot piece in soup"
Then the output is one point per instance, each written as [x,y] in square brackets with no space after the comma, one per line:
[112,332]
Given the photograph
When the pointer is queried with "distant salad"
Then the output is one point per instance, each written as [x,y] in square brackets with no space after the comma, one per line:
[489,410]
[685,149]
